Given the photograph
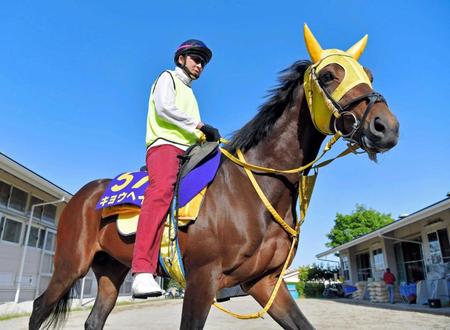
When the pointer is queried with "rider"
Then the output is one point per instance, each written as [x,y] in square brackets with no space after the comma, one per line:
[173,124]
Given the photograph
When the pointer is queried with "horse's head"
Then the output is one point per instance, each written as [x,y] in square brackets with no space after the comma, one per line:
[341,99]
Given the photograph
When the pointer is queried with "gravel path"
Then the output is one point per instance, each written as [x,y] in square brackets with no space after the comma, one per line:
[324,314]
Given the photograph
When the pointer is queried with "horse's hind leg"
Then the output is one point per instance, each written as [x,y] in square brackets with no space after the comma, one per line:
[284,310]
[110,274]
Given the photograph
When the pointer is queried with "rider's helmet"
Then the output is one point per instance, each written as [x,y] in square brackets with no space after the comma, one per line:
[193,47]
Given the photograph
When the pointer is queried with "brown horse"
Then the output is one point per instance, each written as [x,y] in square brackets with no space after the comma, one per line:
[234,240]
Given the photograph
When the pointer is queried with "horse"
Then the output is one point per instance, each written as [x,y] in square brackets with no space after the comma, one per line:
[234,239]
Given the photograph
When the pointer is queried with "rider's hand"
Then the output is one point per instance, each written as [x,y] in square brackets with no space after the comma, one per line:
[211,133]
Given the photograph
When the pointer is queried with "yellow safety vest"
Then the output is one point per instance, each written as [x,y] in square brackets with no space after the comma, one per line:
[158,127]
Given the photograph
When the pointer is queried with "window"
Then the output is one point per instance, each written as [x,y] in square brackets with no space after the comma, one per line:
[5,189]
[13,197]
[42,212]
[18,199]
[378,259]
[38,210]
[49,213]
[435,250]
[363,266]
[439,246]
[50,244]
[444,244]
[409,259]
[11,230]
[345,268]
[34,236]
[41,239]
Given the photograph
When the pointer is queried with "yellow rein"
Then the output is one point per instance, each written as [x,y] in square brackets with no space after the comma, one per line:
[305,192]
[327,147]
[246,165]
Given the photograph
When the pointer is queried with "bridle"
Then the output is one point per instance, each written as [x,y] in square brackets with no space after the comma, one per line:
[345,110]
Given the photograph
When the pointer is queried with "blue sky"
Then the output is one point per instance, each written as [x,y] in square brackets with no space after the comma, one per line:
[75,79]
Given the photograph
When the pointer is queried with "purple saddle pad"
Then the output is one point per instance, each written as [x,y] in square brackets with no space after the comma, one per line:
[129,188]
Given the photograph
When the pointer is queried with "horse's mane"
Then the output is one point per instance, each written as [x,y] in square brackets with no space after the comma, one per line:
[280,97]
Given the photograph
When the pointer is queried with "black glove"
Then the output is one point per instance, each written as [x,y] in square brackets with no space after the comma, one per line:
[211,133]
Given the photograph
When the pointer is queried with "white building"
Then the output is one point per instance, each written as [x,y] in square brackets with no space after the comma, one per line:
[415,247]
[20,188]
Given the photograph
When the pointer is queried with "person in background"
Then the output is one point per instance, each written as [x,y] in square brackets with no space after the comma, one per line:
[389,279]
[173,124]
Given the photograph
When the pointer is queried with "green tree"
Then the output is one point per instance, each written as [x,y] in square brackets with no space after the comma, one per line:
[320,272]
[361,221]
[303,272]
[308,276]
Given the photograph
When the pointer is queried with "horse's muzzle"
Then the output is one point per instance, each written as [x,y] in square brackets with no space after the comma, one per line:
[381,134]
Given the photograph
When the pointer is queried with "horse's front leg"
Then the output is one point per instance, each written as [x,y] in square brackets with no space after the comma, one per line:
[200,291]
[284,310]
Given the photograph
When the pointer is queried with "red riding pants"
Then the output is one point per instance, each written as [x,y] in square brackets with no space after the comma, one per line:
[162,167]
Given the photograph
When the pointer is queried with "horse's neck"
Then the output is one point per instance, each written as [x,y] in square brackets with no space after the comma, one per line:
[292,142]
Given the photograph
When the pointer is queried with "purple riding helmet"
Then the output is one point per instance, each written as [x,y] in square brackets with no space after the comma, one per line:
[193,47]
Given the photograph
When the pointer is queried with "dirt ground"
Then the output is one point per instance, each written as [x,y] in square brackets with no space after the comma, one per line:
[323,314]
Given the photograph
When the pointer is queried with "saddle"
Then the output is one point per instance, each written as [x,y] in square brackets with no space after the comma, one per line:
[124,195]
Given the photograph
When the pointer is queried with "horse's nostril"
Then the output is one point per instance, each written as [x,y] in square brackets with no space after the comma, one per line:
[379,125]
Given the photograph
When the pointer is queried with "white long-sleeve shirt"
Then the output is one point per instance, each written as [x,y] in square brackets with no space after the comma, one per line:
[164,97]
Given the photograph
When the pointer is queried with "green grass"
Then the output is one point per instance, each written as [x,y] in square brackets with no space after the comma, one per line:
[6,317]
[13,316]
[128,302]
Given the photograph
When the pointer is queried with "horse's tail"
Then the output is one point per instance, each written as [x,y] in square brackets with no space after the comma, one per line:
[58,314]
[78,228]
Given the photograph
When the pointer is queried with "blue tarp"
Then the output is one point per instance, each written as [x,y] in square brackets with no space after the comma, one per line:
[408,289]
[349,289]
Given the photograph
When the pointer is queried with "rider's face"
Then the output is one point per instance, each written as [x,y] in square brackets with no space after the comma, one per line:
[194,64]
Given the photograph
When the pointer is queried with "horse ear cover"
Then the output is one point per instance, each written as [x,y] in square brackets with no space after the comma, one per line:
[357,49]
[312,45]
[315,50]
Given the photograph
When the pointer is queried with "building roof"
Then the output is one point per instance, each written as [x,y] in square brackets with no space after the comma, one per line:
[291,276]
[23,173]
[411,218]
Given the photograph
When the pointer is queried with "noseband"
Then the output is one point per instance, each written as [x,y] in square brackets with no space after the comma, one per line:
[372,98]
